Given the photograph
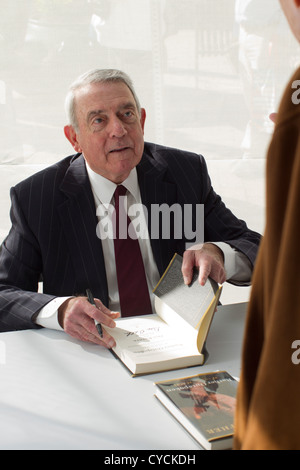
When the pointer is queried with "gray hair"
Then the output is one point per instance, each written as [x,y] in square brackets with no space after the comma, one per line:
[96,76]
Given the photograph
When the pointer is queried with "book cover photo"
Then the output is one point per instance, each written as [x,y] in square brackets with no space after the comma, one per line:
[204,405]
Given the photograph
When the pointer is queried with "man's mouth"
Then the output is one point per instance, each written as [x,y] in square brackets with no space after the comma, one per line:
[119,149]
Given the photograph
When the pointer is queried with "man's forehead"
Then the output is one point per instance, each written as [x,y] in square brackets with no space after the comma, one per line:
[106,91]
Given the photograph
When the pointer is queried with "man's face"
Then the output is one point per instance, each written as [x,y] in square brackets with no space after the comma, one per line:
[110,130]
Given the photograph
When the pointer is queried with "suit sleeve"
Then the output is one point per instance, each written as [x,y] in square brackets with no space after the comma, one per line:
[20,273]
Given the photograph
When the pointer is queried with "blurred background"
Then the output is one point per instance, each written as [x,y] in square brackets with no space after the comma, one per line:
[208,72]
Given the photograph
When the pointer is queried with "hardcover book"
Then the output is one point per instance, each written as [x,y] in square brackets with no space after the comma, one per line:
[204,405]
[174,337]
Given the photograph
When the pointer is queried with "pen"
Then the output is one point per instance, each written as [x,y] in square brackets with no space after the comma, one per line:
[92,301]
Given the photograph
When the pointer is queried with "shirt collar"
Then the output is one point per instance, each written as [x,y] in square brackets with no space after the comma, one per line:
[104,189]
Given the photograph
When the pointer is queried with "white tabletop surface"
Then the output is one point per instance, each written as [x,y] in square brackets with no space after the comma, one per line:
[59,393]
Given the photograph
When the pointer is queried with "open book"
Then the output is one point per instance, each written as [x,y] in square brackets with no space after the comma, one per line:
[174,337]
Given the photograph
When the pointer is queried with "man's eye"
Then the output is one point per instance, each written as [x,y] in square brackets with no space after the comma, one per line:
[129,115]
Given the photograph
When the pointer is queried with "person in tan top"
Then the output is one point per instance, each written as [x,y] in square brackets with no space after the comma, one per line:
[268,408]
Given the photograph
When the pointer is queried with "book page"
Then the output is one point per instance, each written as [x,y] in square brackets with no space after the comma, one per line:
[171,317]
[189,302]
[150,339]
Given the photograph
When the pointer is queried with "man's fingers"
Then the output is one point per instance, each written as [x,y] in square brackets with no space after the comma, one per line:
[84,329]
[106,340]
[222,277]
[210,262]
[77,317]
[102,314]
[91,335]
[204,272]
[213,270]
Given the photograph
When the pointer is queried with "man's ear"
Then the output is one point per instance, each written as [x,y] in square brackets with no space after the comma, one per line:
[143,117]
[71,135]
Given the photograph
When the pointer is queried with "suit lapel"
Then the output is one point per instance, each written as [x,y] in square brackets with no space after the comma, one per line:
[79,222]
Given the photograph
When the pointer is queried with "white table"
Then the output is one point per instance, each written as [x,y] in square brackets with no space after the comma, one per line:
[59,393]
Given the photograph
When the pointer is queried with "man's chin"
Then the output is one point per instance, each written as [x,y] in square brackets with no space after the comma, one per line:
[122,171]
[122,167]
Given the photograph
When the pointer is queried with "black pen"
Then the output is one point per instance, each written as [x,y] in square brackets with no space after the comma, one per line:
[92,301]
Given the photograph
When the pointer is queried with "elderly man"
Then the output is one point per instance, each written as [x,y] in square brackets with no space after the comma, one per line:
[56,215]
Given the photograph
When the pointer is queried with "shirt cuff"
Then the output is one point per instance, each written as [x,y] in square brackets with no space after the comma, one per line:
[237,266]
[48,315]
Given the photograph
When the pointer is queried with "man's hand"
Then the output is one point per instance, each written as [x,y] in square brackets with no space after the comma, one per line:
[210,261]
[76,316]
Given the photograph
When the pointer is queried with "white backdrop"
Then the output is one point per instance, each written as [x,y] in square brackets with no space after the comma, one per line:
[208,72]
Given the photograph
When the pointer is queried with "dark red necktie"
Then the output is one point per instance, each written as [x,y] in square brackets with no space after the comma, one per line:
[132,283]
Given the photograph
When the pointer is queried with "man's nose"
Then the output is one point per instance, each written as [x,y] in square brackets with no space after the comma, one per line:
[116,127]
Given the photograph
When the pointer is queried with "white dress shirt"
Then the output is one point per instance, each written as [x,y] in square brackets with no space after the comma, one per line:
[237,265]
[103,191]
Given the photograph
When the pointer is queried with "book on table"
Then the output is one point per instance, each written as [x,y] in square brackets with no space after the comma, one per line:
[204,405]
[174,337]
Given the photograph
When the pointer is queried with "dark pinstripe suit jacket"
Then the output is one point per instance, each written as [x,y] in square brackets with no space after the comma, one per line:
[53,235]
